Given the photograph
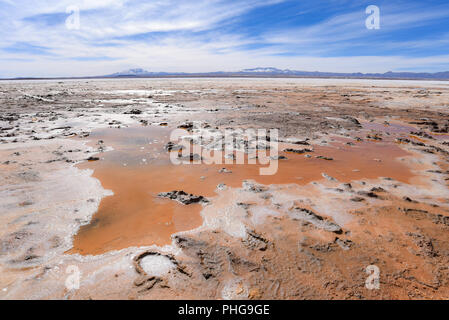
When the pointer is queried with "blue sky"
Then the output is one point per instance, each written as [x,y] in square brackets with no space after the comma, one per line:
[218,35]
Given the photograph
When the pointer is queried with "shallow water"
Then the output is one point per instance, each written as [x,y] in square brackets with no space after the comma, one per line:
[400,128]
[139,168]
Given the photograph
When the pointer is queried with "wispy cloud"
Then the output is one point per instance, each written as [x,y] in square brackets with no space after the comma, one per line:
[211,35]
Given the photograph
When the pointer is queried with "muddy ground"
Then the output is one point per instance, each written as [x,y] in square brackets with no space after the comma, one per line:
[300,235]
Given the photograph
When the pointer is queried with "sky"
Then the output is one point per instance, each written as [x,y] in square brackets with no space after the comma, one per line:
[42,38]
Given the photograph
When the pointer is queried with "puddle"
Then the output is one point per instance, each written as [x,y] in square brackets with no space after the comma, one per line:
[399,128]
[139,168]
[440,136]
[390,128]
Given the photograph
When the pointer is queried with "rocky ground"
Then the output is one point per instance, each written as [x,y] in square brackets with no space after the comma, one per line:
[294,240]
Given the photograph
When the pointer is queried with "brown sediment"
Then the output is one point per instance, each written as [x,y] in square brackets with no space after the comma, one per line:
[418,138]
[135,216]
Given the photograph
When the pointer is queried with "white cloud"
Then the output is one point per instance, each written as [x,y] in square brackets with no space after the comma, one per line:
[194,39]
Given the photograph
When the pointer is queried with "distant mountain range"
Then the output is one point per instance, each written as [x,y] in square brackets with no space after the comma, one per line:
[274,72]
[271,72]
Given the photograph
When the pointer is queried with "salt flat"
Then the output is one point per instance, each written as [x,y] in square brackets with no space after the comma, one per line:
[382,179]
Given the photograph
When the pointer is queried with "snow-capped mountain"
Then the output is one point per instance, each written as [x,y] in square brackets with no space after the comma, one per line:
[275,72]
[131,72]
[266,70]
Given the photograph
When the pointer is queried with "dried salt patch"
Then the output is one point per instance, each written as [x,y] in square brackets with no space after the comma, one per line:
[221,186]
[227,218]
[156,265]
[259,214]
[235,289]
[328,177]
